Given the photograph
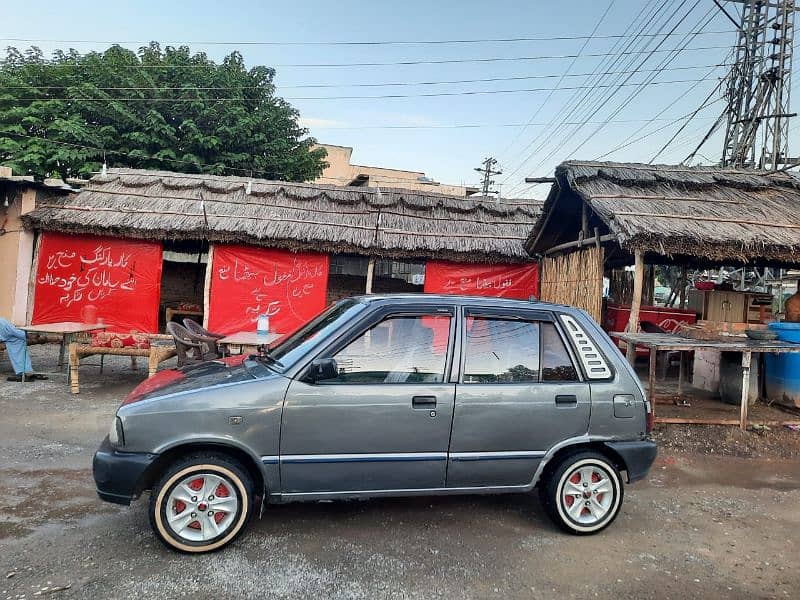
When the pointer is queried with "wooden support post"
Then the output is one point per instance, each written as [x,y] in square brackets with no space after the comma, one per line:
[745,389]
[683,287]
[207,285]
[584,221]
[681,373]
[636,304]
[651,379]
[651,285]
[370,274]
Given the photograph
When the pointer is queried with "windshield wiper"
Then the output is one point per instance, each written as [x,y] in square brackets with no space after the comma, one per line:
[267,357]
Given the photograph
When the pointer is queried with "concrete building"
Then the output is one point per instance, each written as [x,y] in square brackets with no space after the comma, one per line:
[341,171]
[18,196]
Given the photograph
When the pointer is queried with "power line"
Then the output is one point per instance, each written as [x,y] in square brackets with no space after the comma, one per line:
[485,125]
[645,20]
[644,84]
[445,61]
[647,17]
[675,52]
[563,75]
[347,85]
[630,142]
[722,117]
[657,116]
[347,97]
[688,120]
[338,43]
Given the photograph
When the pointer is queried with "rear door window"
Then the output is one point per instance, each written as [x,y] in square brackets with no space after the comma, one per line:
[504,350]
[557,364]
[501,351]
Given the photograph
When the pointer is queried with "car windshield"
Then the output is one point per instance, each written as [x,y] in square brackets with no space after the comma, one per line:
[297,344]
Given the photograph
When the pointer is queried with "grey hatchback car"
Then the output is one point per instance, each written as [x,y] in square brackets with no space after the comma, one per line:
[394,395]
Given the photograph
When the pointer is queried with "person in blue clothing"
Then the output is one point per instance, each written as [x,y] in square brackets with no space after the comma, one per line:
[17,348]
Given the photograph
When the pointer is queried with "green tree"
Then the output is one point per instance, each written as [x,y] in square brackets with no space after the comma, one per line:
[152,109]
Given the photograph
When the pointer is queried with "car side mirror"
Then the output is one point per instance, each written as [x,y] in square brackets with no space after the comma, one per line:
[322,369]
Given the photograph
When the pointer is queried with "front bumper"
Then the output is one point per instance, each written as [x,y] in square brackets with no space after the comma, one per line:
[637,456]
[118,475]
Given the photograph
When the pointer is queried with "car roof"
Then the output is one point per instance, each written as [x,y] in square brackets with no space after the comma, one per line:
[417,298]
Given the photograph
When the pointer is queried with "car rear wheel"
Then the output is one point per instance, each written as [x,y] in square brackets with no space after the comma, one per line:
[583,493]
[201,503]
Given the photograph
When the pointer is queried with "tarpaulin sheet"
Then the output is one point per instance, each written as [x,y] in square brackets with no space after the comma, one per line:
[121,278]
[501,280]
[246,282]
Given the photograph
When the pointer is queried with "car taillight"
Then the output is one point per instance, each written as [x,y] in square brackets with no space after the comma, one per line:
[649,421]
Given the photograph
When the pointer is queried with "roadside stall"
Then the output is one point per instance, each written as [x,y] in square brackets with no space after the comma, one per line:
[600,218]
[146,249]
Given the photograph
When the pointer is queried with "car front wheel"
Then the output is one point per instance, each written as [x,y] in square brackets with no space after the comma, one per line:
[583,493]
[201,503]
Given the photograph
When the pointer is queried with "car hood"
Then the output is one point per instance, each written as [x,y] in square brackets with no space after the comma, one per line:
[196,377]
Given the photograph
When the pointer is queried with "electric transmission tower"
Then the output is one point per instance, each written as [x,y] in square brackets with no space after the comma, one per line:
[758,86]
[488,170]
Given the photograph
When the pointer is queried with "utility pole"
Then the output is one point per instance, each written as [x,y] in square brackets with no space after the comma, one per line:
[758,110]
[488,170]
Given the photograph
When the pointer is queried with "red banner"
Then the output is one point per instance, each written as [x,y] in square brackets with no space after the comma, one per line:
[246,282]
[502,280]
[120,278]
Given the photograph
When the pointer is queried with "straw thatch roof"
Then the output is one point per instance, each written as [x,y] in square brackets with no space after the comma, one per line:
[701,214]
[297,216]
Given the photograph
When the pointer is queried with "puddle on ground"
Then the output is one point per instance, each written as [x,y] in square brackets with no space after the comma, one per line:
[38,498]
[746,473]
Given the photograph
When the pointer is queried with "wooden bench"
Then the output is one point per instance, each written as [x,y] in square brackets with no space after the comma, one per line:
[158,352]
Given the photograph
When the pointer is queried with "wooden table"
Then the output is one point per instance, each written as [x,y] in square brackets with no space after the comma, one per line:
[250,339]
[660,342]
[67,330]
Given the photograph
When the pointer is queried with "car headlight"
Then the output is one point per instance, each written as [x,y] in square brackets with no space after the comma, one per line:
[115,433]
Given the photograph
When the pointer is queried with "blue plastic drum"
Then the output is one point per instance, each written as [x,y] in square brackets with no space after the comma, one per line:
[782,371]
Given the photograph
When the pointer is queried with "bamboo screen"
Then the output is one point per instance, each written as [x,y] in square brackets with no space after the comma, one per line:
[575,279]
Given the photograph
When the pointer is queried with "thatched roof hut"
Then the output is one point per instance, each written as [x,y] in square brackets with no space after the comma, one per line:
[686,215]
[378,222]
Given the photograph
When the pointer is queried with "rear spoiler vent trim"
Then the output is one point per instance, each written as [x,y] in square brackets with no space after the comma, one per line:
[594,365]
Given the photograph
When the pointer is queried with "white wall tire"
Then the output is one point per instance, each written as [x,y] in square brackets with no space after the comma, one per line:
[201,503]
[583,493]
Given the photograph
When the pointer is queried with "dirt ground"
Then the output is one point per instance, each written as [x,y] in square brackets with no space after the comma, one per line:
[700,526]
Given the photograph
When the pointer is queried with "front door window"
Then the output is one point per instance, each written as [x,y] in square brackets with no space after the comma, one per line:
[402,349]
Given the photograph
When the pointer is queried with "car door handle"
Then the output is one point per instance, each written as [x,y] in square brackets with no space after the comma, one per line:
[566,400]
[423,402]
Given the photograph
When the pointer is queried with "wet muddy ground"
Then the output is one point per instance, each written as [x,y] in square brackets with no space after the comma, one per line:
[699,526]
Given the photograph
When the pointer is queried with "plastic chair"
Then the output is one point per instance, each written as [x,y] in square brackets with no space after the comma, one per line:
[192,348]
[195,328]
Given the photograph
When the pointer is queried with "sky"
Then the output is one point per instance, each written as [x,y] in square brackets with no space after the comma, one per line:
[521,128]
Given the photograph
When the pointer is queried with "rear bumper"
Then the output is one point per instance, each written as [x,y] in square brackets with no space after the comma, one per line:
[118,475]
[637,456]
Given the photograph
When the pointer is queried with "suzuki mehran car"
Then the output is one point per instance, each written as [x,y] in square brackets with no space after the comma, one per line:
[394,395]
